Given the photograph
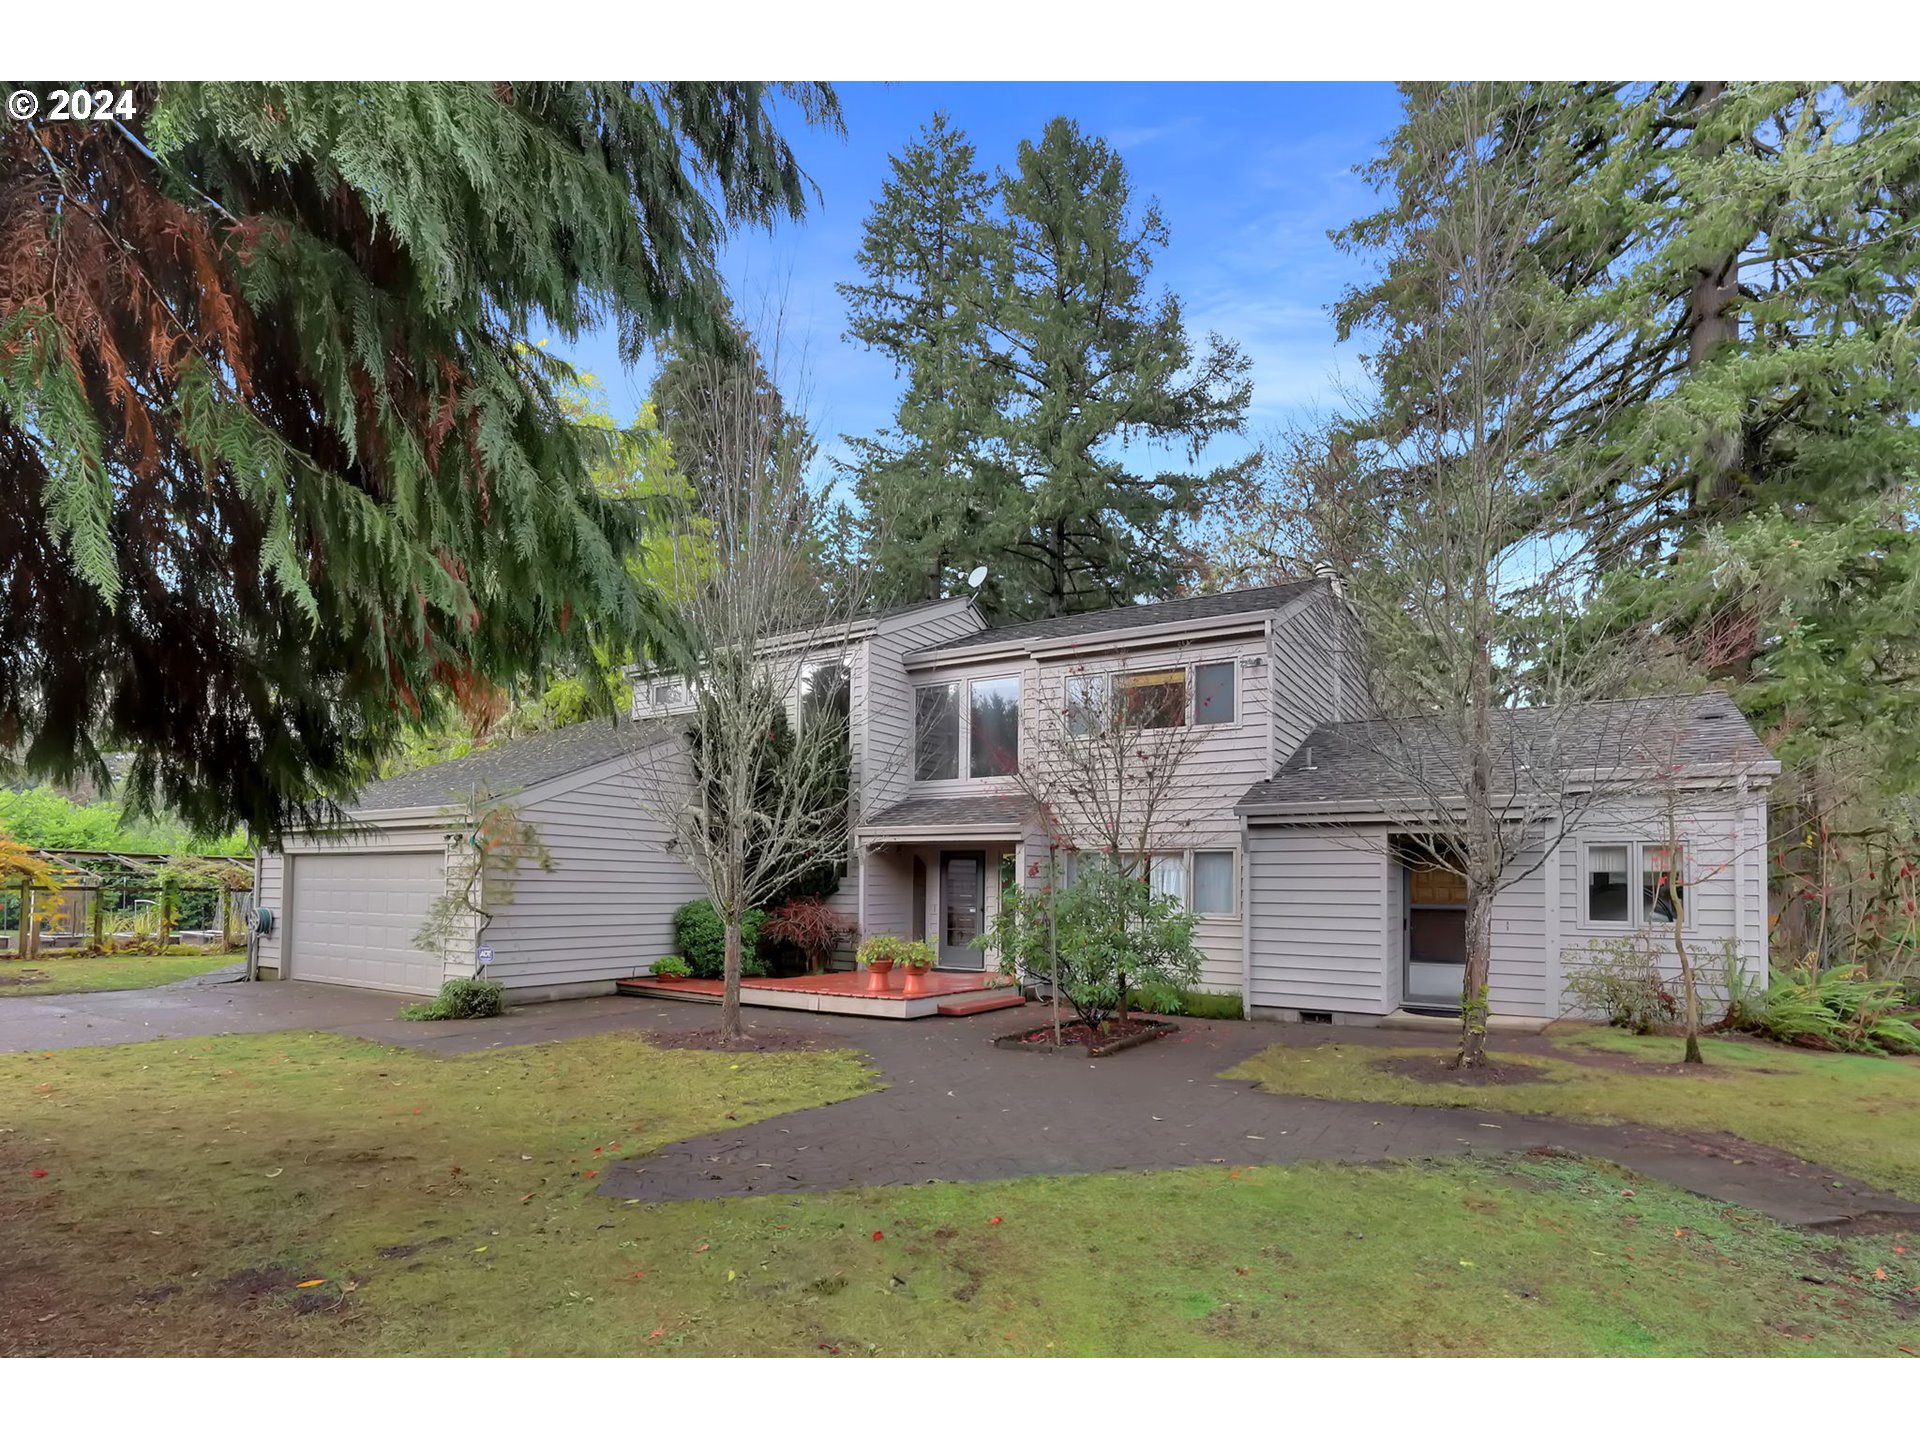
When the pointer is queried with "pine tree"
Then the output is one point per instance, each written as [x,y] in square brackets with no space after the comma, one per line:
[1035,354]
[926,483]
[280,476]
[1091,361]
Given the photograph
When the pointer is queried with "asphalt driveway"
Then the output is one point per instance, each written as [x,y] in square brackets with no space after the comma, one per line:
[169,1012]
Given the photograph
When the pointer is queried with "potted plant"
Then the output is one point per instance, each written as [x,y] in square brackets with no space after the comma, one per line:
[671,967]
[915,958]
[876,953]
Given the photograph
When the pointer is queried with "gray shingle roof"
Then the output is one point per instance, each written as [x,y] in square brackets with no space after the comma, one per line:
[1416,759]
[516,764]
[957,812]
[1128,617]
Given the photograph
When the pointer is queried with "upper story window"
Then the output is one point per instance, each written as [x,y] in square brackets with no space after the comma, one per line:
[1213,692]
[1153,699]
[661,695]
[826,690]
[993,741]
[1202,694]
[936,732]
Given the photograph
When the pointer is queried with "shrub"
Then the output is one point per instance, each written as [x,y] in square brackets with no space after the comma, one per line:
[702,940]
[460,1000]
[811,927]
[1619,980]
[1114,935]
[1836,1009]
[672,967]
[1197,1004]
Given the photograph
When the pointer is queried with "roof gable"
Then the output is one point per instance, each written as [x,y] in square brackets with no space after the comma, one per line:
[516,764]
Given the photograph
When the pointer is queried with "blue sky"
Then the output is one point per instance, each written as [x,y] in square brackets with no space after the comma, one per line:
[1249,178]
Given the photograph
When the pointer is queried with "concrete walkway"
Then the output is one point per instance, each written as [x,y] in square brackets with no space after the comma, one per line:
[957,1110]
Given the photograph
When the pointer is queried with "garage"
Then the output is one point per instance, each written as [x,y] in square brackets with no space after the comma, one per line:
[354,915]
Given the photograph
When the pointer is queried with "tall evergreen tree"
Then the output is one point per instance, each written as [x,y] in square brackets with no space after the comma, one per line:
[1036,358]
[280,477]
[1741,261]
[926,483]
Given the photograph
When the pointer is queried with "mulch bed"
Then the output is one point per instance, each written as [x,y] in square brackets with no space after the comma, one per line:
[25,977]
[753,1042]
[1077,1035]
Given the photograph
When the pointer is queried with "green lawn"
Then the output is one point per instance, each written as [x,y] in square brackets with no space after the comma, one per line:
[1859,1114]
[54,972]
[448,1206]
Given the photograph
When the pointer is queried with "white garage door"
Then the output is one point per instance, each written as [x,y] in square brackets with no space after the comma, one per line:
[354,916]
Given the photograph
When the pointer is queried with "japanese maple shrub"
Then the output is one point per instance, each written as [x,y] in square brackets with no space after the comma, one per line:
[812,928]
[1097,939]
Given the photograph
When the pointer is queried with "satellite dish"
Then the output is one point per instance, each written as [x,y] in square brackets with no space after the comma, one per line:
[976,577]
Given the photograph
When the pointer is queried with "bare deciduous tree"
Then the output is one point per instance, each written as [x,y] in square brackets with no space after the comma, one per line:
[759,794]
[1471,581]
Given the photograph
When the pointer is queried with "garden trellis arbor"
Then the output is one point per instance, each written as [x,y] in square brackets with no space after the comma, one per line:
[99,896]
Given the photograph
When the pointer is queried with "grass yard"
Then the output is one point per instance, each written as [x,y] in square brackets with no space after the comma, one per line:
[1858,1114]
[194,1191]
[53,972]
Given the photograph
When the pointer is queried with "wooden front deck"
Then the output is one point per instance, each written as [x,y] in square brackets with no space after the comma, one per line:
[843,992]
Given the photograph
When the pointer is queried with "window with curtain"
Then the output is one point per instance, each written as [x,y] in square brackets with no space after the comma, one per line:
[1213,882]
[1154,699]
[1608,900]
[1086,703]
[1213,692]
[936,732]
[994,738]
[1663,883]
[1167,875]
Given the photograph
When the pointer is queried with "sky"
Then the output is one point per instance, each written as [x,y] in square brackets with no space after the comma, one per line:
[1249,178]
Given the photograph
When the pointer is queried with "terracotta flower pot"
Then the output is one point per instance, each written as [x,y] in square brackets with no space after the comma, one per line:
[916,981]
[878,976]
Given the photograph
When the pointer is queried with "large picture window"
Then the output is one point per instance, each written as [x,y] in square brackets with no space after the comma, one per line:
[936,732]
[993,741]
[827,693]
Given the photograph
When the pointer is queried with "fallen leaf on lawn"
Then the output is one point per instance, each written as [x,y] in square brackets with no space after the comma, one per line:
[592,1173]
[703,1245]
[1679,1231]
[730,1275]
[309,1284]
[1879,1272]
[1467,1263]
[657,1333]
[994,1221]
[276,1172]
[1626,1194]
[479,1249]
[38,1174]
[879,1234]
[526,1197]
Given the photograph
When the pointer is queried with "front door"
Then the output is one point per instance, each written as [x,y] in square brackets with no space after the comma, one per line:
[963,906]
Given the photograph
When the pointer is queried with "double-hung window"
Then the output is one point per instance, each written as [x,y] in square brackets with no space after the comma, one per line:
[1207,693]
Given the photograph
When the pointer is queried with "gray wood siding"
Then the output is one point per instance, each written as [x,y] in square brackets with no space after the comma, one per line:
[1726,901]
[1300,650]
[272,896]
[1517,968]
[1319,907]
[605,910]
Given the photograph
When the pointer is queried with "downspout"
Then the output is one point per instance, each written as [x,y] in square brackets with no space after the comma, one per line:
[253,928]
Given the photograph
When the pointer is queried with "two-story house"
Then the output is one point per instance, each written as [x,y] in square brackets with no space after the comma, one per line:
[1293,841]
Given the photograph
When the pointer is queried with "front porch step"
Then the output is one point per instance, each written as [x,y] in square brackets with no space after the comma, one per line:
[980,1004]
